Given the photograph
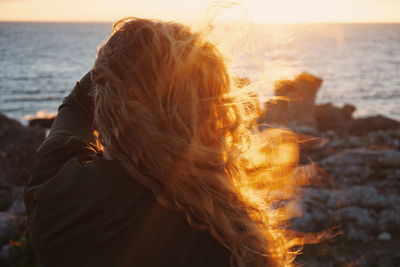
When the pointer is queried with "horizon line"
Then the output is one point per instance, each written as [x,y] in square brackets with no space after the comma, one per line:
[268,22]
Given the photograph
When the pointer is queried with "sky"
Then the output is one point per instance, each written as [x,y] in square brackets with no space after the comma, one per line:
[258,11]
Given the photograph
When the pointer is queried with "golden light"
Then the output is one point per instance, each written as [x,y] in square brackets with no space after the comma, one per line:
[259,11]
[305,11]
[289,11]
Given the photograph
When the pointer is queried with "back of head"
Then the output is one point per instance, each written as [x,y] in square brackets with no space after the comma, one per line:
[159,87]
[163,110]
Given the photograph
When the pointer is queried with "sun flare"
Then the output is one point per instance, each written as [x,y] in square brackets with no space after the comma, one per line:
[289,11]
[260,11]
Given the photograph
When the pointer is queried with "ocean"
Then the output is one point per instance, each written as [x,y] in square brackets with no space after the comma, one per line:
[359,63]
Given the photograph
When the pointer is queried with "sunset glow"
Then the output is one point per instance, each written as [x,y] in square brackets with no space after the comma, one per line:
[259,11]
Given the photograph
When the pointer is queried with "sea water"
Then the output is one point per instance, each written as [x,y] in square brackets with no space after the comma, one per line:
[359,63]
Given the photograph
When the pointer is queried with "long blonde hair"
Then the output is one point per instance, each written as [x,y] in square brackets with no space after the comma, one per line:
[166,108]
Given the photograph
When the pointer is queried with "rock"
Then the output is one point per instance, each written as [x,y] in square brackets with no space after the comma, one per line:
[295,106]
[8,256]
[355,209]
[18,207]
[389,218]
[7,124]
[17,145]
[355,166]
[384,236]
[384,138]
[369,124]
[357,186]
[8,228]
[340,120]
[41,122]
[5,197]
[388,140]
[358,222]
[360,195]
[330,117]
[390,259]
[352,253]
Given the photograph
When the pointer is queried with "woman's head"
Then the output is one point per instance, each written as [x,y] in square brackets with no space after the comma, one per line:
[164,110]
[157,81]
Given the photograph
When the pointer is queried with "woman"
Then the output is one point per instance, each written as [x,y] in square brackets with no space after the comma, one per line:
[178,183]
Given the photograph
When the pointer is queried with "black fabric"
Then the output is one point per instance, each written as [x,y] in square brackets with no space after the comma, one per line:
[84,210]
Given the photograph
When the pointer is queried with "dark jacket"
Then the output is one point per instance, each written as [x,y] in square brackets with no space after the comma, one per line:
[84,210]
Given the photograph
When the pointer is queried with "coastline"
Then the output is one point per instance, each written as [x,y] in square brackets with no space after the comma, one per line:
[355,190]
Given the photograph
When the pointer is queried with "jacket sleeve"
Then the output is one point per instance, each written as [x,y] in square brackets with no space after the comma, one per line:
[71,135]
[75,115]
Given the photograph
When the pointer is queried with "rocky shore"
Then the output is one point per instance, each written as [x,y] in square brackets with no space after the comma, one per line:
[17,145]
[356,180]
[356,189]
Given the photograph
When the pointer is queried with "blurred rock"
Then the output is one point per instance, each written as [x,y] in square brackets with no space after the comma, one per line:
[5,197]
[8,228]
[359,199]
[8,256]
[18,206]
[41,122]
[9,233]
[294,107]
[357,166]
[295,104]
[330,117]
[363,126]
[352,253]
[355,185]
[384,236]
[17,145]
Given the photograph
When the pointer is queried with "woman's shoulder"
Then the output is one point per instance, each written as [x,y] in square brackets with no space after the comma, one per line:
[72,171]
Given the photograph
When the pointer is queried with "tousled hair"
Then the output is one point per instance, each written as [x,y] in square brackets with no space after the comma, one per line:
[168,111]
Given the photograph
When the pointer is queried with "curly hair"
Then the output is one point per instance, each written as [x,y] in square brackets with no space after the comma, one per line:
[168,111]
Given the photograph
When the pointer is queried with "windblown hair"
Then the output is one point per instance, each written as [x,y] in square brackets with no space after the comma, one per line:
[166,108]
